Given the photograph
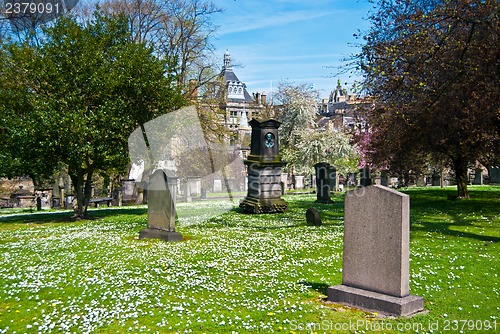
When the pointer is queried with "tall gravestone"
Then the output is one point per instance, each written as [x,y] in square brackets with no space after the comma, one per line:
[478,176]
[161,207]
[494,175]
[334,182]
[264,170]
[365,177]
[322,170]
[375,269]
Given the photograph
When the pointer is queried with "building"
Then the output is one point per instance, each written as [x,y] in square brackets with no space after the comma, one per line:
[239,107]
[343,110]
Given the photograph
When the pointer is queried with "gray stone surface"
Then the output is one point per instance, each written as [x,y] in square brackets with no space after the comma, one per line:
[478,176]
[313,218]
[150,233]
[322,182]
[365,177]
[374,301]
[376,246]
[161,203]
[264,170]
[161,207]
[495,175]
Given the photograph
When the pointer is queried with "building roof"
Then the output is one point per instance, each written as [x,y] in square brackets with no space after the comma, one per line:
[232,81]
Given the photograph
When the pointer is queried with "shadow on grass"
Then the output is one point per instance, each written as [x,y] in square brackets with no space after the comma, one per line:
[432,212]
[67,216]
[320,287]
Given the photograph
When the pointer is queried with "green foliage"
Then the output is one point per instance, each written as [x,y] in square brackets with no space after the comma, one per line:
[432,67]
[85,89]
[323,145]
[302,142]
[243,273]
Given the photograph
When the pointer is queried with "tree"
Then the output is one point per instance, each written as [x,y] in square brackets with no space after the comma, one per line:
[177,29]
[432,66]
[87,87]
[303,143]
[324,145]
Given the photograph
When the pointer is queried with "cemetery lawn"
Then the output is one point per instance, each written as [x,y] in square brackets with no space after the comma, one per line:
[241,273]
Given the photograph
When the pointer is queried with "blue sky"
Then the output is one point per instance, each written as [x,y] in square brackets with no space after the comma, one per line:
[291,40]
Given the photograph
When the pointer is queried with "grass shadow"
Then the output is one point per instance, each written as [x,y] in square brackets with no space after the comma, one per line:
[320,287]
[67,215]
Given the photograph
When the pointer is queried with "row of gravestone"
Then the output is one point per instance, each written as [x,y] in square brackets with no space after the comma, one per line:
[375,269]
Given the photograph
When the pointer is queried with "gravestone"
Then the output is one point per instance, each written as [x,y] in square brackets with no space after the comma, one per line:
[421,181]
[384,178]
[299,182]
[217,185]
[478,176]
[436,180]
[264,170]
[375,269]
[161,207]
[365,177]
[322,182]
[313,218]
[494,175]
[332,171]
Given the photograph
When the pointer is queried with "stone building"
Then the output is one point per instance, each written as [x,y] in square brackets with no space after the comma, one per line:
[342,110]
[239,107]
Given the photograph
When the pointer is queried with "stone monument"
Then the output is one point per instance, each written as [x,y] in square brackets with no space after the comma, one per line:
[365,177]
[161,207]
[264,170]
[322,170]
[376,263]
[313,218]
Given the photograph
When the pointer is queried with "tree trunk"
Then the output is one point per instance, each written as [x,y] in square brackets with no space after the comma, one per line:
[77,179]
[87,192]
[460,166]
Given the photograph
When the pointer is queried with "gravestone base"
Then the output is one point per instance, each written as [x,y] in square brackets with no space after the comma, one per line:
[375,302]
[153,233]
[257,205]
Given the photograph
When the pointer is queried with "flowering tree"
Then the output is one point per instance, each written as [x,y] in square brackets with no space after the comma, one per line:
[432,66]
[303,143]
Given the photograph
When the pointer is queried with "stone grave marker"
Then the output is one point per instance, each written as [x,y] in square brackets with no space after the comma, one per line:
[264,170]
[495,175]
[376,264]
[322,182]
[478,176]
[365,177]
[161,207]
[313,218]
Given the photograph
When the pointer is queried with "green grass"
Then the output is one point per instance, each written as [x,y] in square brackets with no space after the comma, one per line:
[241,273]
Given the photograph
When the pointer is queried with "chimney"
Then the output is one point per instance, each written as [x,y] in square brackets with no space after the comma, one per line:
[264,98]
[257,98]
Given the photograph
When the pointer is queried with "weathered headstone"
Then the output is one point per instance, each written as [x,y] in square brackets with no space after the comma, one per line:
[421,181]
[478,176]
[495,175]
[334,182]
[217,185]
[436,180]
[299,182]
[375,269]
[161,207]
[384,178]
[365,177]
[322,182]
[264,170]
[313,218]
